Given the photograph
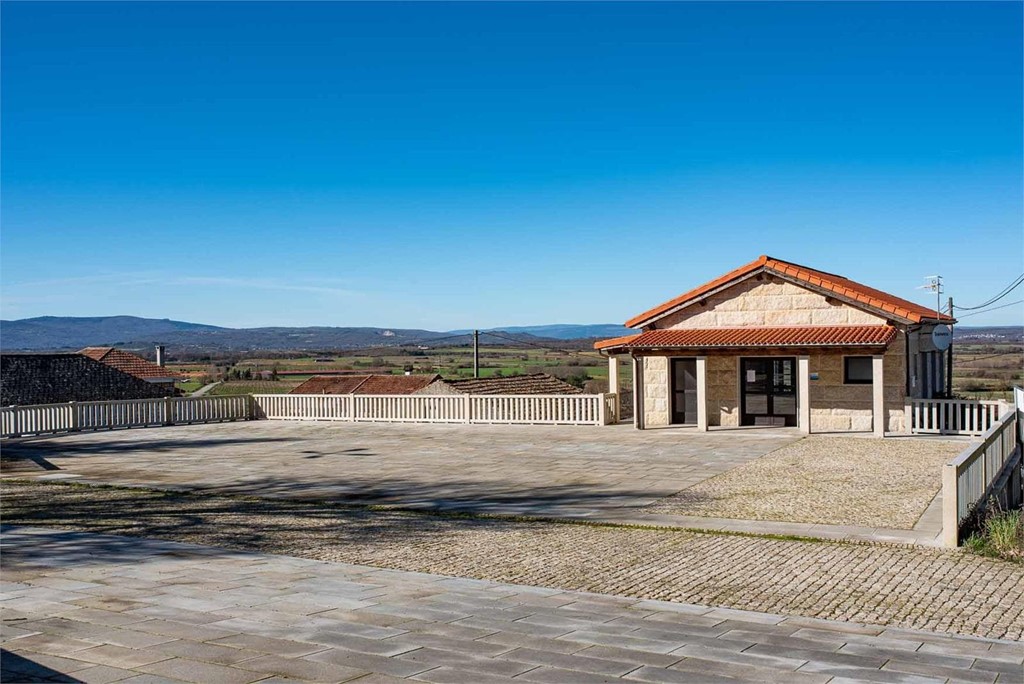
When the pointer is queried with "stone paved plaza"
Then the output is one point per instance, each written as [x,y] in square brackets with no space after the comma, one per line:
[95,608]
[670,477]
[903,586]
[549,470]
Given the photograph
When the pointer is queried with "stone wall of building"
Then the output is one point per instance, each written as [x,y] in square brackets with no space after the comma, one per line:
[655,391]
[839,407]
[58,378]
[770,301]
[723,390]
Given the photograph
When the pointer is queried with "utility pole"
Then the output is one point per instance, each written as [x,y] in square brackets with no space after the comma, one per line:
[949,355]
[476,353]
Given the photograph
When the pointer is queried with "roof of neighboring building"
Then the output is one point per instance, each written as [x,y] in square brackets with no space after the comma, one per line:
[534,383]
[853,292]
[365,384]
[796,336]
[61,377]
[128,363]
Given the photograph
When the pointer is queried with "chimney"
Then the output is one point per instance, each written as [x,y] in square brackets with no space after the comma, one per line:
[160,357]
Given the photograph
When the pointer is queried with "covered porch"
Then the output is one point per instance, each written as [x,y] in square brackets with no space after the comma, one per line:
[809,379]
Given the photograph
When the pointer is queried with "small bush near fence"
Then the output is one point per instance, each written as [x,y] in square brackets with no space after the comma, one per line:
[1001,535]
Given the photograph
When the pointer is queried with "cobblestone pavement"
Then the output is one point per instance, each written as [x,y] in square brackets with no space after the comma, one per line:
[549,470]
[96,608]
[901,586]
[830,480]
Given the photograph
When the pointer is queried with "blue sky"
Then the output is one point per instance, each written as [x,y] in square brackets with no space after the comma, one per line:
[457,165]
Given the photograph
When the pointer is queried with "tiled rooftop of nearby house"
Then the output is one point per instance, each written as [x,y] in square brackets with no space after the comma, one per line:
[534,383]
[838,285]
[365,384]
[127,362]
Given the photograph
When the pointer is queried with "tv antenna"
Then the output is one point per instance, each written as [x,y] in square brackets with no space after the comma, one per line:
[934,283]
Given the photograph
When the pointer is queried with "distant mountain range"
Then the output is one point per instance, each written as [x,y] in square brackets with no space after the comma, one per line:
[68,332]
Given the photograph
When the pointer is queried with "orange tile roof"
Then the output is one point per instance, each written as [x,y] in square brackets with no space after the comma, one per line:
[330,384]
[127,362]
[798,336]
[395,384]
[871,298]
[533,383]
[365,384]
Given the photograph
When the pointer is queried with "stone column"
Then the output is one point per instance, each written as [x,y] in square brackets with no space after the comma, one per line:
[803,393]
[638,393]
[615,385]
[878,416]
[702,393]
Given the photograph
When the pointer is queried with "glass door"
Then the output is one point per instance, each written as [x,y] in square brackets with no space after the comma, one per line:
[684,391]
[768,391]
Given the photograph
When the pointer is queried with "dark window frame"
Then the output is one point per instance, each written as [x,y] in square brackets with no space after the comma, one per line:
[846,371]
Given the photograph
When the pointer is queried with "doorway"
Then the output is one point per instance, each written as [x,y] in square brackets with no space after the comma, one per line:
[768,391]
[684,391]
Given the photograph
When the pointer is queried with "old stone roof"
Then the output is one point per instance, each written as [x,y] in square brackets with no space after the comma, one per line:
[830,284]
[534,383]
[365,384]
[127,362]
[58,378]
[792,336]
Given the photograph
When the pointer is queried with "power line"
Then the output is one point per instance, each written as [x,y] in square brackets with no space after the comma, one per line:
[994,308]
[1002,293]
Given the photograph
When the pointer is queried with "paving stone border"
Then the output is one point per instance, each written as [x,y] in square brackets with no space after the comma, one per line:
[900,586]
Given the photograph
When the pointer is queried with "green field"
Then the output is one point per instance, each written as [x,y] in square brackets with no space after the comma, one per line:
[252,387]
[576,366]
[987,371]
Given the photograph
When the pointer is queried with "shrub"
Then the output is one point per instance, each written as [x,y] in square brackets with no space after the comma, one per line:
[1001,535]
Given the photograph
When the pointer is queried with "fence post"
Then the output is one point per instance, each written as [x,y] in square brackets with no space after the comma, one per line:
[15,422]
[602,409]
[950,514]
[168,411]
[908,417]
[467,409]
[74,415]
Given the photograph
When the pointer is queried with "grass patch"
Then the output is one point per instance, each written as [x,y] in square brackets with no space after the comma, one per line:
[1001,536]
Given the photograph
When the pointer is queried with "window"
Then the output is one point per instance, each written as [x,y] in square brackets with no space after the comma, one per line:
[857,370]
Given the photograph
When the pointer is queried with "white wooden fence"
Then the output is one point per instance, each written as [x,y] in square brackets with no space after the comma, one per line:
[534,409]
[77,416]
[953,416]
[968,480]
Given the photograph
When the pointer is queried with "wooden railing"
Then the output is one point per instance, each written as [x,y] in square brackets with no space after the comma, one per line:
[563,409]
[967,480]
[75,416]
[953,416]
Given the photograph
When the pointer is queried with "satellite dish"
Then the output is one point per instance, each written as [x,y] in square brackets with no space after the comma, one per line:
[942,337]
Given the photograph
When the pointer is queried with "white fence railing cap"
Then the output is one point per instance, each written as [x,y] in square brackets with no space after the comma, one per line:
[975,448]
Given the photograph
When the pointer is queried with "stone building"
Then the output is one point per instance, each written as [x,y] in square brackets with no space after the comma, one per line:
[776,343]
[58,378]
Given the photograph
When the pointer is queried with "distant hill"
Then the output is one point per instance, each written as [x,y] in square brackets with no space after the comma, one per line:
[66,332]
[72,333]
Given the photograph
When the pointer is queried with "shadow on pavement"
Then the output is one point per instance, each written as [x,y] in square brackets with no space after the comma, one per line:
[15,667]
